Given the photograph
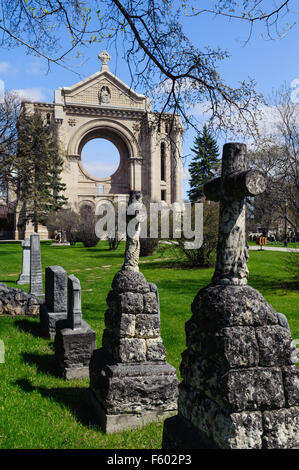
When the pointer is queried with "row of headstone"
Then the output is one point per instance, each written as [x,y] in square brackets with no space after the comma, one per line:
[31,266]
[61,320]
[240,385]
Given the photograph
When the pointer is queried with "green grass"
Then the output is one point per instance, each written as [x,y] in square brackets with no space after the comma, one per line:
[40,410]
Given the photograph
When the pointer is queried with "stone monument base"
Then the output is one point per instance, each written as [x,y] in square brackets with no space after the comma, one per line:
[126,396]
[122,422]
[61,244]
[48,321]
[23,279]
[73,349]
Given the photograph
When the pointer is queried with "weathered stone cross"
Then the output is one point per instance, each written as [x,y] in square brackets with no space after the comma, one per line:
[231,189]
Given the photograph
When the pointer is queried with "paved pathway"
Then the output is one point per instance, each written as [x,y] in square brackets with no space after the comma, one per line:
[273,248]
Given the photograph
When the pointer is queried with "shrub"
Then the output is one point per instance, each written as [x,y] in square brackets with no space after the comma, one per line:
[204,256]
[87,233]
[148,246]
[65,220]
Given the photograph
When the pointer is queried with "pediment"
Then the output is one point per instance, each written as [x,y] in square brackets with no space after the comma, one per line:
[103,89]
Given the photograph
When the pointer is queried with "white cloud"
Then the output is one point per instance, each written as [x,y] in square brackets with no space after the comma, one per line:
[186,174]
[100,169]
[31,94]
[269,119]
[35,68]
[7,68]
[4,67]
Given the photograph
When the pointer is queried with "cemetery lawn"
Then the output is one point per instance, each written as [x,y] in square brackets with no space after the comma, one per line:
[40,410]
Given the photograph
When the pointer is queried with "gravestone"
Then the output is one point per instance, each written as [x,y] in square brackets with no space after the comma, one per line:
[24,277]
[131,383]
[55,306]
[74,341]
[240,384]
[36,283]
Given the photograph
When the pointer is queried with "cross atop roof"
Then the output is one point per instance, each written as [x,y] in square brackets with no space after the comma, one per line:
[104,58]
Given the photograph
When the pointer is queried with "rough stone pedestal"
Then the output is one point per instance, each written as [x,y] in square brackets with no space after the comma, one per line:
[131,384]
[73,349]
[55,307]
[241,384]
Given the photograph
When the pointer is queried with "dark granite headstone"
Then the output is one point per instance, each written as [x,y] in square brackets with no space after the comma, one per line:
[74,303]
[55,307]
[74,341]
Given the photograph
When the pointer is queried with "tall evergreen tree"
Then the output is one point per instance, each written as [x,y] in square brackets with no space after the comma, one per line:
[204,163]
[38,164]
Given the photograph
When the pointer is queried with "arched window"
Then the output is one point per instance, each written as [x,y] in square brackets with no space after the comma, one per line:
[163,161]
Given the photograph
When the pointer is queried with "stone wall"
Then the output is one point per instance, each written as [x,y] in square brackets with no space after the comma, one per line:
[15,301]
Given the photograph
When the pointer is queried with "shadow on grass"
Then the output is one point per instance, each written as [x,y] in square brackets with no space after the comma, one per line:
[185,285]
[271,285]
[74,398]
[28,326]
[44,363]
[291,285]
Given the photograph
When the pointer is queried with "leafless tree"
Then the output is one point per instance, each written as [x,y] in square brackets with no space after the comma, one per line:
[277,155]
[160,55]
[9,109]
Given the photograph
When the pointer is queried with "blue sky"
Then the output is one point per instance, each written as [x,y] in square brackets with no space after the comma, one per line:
[270,63]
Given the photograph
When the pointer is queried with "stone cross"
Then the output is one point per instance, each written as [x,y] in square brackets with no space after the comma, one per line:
[74,312]
[104,58]
[36,284]
[133,233]
[231,189]
[24,277]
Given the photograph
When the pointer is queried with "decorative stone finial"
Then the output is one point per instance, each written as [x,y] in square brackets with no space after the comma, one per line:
[104,58]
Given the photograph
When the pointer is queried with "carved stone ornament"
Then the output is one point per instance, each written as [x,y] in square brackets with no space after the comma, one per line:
[104,57]
[104,95]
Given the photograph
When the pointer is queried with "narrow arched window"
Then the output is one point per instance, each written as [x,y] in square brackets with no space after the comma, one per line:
[163,161]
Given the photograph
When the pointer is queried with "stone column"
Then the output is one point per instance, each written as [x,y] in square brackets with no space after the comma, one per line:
[153,167]
[178,170]
[36,283]
[135,174]
[24,277]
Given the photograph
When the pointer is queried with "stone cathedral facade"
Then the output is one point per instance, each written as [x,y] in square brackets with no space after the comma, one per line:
[102,106]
